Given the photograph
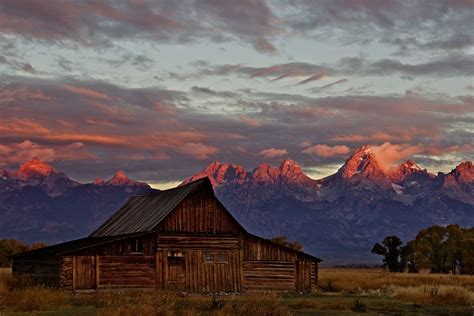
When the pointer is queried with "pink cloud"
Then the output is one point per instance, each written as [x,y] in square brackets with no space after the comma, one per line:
[20,152]
[86,92]
[198,151]
[273,152]
[250,121]
[326,151]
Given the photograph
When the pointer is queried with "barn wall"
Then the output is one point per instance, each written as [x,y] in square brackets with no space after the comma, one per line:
[189,241]
[201,275]
[269,275]
[260,249]
[200,212]
[42,271]
[126,271]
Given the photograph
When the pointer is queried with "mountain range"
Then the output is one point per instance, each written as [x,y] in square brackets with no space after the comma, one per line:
[340,217]
[37,203]
[337,218]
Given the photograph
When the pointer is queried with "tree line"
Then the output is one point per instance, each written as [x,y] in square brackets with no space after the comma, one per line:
[440,249]
[11,247]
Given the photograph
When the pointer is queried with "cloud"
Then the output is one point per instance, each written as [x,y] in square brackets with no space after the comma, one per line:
[364,22]
[250,121]
[86,92]
[98,24]
[315,77]
[326,151]
[15,153]
[156,133]
[198,150]
[326,86]
[273,152]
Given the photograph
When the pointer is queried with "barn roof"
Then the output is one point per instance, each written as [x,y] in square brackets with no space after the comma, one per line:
[143,213]
[74,245]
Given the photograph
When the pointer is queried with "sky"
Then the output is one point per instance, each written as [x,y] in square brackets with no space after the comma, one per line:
[160,89]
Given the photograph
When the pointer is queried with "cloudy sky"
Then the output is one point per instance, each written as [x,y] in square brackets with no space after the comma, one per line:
[162,88]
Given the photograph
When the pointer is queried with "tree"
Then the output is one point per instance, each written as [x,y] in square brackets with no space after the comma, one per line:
[391,249]
[11,247]
[409,258]
[283,240]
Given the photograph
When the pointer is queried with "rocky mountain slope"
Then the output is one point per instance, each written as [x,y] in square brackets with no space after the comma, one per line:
[341,216]
[37,203]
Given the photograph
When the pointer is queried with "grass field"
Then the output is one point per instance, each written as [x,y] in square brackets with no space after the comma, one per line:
[342,292]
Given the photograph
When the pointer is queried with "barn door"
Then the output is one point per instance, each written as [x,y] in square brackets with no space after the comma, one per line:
[176,273]
[85,272]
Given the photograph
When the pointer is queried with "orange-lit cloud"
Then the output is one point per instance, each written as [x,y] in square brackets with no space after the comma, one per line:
[198,150]
[326,151]
[273,152]
[86,92]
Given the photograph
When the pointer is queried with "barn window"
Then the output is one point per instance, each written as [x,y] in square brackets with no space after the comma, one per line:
[209,258]
[137,247]
[175,254]
[222,258]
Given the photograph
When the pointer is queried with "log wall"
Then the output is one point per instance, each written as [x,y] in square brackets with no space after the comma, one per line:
[269,275]
[42,271]
[126,271]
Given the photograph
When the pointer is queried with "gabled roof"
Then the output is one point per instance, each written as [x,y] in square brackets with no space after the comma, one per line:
[74,245]
[142,213]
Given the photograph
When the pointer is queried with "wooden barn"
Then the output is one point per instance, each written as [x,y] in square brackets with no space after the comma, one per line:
[179,239]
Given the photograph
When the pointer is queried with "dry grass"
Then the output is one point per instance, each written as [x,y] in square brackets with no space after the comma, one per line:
[440,295]
[341,290]
[423,288]
[364,280]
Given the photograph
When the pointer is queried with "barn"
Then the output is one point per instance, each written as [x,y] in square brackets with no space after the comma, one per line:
[180,239]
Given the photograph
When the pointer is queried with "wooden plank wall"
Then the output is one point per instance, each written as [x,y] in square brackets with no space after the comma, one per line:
[202,276]
[303,276]
[187,241]
[115,272]
[67,272]
[269,275]
[126,271]
[200,213]
[42,271]
[260,249]
[314,275]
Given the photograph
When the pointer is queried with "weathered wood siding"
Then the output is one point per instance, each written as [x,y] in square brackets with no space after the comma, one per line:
[269,275]
[303,276]
[42,271]
[200,275]
[189,241]
[314,275]
[200,212]
[110,272]
[260,249]
[126,271]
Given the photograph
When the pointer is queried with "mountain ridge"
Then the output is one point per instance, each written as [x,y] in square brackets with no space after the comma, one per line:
[336,217]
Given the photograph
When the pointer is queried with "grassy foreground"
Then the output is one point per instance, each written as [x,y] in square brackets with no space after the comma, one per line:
[343,292]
